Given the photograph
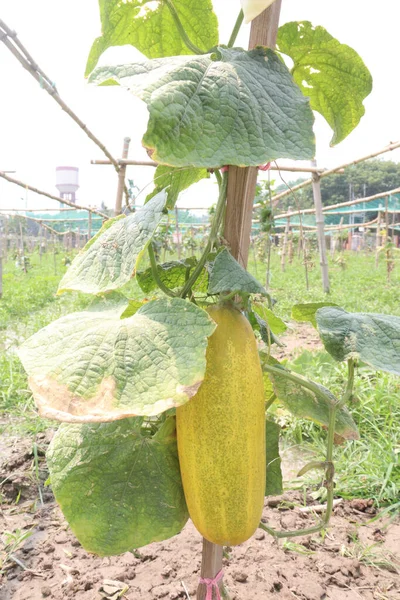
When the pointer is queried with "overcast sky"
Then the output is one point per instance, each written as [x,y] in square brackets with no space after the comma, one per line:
[36,136]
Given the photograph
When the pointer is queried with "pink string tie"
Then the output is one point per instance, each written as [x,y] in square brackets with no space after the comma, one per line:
[212,583]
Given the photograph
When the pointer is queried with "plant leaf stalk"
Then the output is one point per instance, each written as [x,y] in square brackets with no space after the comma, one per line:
[219,211]
[329,484]
[310,385]
[236,29]
[329,466]
[185,38]
[156,277]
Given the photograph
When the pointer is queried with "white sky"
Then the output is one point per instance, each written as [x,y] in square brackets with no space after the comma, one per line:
[36,136]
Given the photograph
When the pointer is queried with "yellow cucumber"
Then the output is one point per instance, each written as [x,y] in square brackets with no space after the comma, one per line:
[221,435]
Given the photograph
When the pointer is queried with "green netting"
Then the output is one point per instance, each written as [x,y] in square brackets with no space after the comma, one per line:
[69,220]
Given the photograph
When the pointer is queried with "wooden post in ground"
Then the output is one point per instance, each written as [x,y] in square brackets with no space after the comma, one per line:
[239,211]
[319,220]
[1,259]
[386,218]
[178,233]
[121,179]
[377,241]
[285,244]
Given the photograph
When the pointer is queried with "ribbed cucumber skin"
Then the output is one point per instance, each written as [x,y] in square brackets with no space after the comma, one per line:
[221,435]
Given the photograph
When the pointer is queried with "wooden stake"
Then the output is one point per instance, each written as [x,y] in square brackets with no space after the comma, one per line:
[284,245]
[178,234]
[121,178]
[1,259]
[377,241]
[239,210]
[320,223]
[242,181]
[386,219]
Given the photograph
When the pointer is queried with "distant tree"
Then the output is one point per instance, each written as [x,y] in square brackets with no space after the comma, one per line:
[365,179]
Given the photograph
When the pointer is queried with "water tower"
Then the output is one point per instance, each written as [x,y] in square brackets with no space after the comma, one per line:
[67,182]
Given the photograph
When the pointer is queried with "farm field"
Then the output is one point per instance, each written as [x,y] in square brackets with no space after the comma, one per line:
[357,556]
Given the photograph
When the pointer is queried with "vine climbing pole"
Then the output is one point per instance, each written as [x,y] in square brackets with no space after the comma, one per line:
[121,178]
[239,210]
[320,223]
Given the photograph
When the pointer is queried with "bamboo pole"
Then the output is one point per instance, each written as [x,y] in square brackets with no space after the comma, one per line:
[284,245]
[151,163]
[305,211]
[306,182]
[239,208]
[320,223]
[51,196]
[11,41]
[178,233]
[121,178]
[1,258]
[386,219]
[377,240]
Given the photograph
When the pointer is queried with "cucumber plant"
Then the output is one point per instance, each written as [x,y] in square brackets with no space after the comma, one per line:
[121,373]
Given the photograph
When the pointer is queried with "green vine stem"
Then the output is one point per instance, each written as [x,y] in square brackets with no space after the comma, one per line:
[329,484]
[156,277]
[270,402]
[236,29]
[310,385]
[219,211]
[185,38]
[350,383]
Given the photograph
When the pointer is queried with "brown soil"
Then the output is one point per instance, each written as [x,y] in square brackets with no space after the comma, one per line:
[55,566]
[297,338]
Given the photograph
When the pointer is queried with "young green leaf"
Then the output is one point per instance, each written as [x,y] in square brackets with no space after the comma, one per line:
[253,8]
[275,323]
[149,27]
[304,313]
[227,275]
[273,483]
[229,107]
[372,338]
[96,366]
[117,489]
[305,404]
[174,181]
[111,260]
[331,74]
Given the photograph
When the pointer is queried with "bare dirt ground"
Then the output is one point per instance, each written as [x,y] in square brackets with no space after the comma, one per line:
[298,337]
[52,564]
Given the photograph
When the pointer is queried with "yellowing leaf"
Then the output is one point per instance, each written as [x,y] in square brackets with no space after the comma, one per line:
[253,8]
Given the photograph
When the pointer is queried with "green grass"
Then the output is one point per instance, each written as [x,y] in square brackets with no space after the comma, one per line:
[369,467]
[360,287]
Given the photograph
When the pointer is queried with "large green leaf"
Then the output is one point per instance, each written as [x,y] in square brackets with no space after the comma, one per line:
[273,482]
[174,181]
[372,338]
[305,404]
[111,260]
[227,275]
[331,74]
[97,366]
[305,313]
[229,107]
[117,489]
[149,26]
[174,275]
